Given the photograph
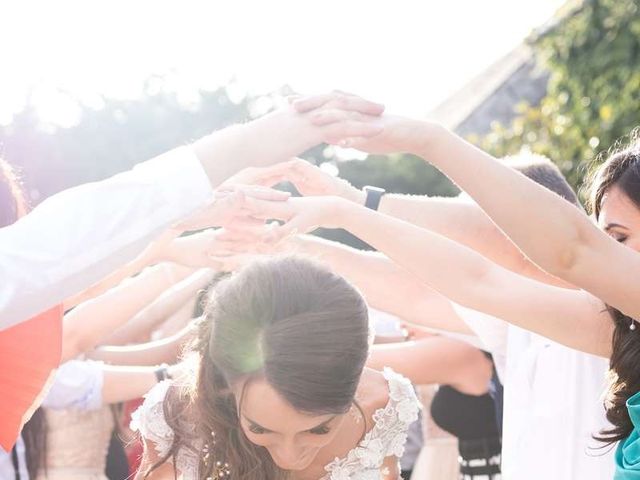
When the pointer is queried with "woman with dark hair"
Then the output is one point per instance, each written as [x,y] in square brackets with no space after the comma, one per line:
[281,389]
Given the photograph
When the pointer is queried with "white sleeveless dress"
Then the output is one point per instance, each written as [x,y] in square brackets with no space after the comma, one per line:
[364,462]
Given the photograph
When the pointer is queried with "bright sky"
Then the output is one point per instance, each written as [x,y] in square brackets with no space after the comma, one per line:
[409,54]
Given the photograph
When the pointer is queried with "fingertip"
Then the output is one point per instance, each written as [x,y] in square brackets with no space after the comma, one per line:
[303,105]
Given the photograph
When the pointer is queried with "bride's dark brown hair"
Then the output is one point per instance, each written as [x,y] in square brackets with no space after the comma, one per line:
[288,320]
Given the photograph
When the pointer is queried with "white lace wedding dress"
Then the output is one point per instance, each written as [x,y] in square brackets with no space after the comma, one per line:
[364,462]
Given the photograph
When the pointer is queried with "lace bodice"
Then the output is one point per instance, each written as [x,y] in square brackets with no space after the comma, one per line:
[364,462]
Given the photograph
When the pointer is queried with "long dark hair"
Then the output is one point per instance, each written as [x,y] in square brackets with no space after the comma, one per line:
[622,170]
[288,320]
[13,205]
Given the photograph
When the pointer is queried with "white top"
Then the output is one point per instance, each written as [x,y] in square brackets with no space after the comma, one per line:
[77,385]
[364,462]
[552,404]
[76,237]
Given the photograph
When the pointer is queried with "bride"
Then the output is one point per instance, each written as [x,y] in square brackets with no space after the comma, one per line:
[280,389]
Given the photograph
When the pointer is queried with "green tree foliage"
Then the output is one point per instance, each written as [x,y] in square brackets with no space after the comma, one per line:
[593,96]
[397,174]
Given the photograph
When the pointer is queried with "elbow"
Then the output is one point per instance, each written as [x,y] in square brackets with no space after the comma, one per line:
[569,257]
[565,262]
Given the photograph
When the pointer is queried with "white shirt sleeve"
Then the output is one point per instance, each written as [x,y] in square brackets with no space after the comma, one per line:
[77,385]
[80,235]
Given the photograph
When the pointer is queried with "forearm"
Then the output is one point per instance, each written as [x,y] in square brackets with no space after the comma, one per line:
[110,281]
[457,219]
[166,350]
[91,321]
[385,284]
[448,216]
[554,230]
[571,317]
[159,309]
[280,135]
[436,360]
[443,264]
[126,383]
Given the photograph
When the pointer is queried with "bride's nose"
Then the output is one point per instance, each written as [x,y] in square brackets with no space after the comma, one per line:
[287,455]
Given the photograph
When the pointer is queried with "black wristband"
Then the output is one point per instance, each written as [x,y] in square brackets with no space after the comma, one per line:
[374,195]
[162,372]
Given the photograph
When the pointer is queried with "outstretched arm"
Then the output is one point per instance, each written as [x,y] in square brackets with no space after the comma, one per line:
[385,285]
[159,309]
[96,228]
[456,218]
[552,233]
[572,317]
[166,350]
[436,360]
[87,324]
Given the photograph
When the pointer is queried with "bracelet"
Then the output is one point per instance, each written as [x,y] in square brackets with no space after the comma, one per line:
[162,373]
[374,195]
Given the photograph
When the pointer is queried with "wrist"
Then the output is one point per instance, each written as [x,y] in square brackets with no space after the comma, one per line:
[355,195]
[426,135]
[341,212]
[300,133]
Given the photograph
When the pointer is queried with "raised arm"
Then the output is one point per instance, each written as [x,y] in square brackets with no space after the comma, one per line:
[572,317]
[159,309]
[552,233]
[385,284]
[148,257]
[456,218]
[90,322]
[94,229]
[166,350]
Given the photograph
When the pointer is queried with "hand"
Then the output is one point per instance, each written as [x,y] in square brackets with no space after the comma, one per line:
[398,134]
[300,214]
[202,249]
[259,176]
[308,179]
[229,208]
[245,250]
[340,115]
[155,251]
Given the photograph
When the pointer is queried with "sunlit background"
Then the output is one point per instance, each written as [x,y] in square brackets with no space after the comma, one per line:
[409,54]
[88,89]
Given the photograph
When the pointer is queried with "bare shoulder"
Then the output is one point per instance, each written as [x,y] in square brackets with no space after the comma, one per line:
[373,392]
[389,394]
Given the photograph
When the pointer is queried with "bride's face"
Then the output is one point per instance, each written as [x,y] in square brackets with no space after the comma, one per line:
[292,438]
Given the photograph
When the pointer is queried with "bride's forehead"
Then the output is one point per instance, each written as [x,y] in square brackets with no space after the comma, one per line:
[262,404]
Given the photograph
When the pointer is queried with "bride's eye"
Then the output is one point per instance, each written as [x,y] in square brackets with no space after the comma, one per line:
[257,429]
[618,237]
[320,430]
